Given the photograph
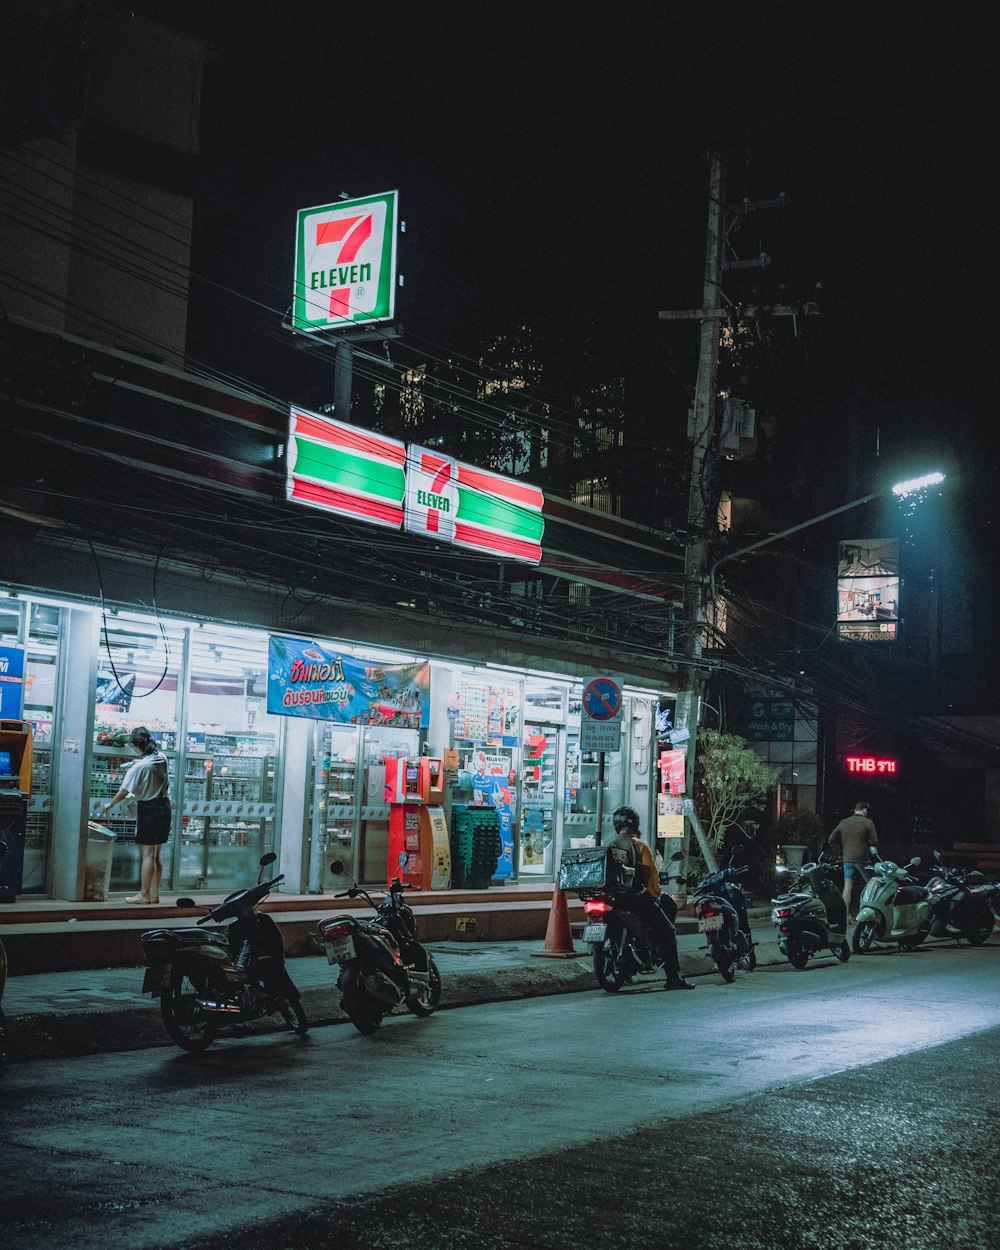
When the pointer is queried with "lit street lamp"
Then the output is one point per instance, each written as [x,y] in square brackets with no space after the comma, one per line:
[902,490]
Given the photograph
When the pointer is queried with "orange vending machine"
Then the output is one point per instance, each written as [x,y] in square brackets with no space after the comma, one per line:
[419,853]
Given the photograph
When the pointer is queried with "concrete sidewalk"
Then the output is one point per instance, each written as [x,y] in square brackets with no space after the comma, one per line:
[84,1012]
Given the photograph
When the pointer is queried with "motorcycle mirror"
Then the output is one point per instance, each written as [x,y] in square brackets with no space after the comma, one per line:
[337,867]
[269,858]
[914,862]
[676,857]
[403,859]
[185,902]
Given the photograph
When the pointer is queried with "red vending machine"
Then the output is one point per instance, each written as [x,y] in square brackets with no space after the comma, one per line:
[419,852]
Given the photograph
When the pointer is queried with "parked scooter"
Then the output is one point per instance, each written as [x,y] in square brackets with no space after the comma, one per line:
[3,982]
[206,979]
[893,908]
[382,965]
[721,907]
[812,916]
[960,907]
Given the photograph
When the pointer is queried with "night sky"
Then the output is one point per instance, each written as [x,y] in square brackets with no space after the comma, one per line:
[551,165]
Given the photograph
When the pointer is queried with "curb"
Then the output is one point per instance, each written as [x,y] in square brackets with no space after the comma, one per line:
[66,1033]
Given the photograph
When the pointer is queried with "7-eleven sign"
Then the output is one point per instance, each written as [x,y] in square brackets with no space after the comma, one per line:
[345,263]
[431,493]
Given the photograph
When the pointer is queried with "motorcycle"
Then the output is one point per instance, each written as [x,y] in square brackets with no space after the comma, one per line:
[621,945]
[893,908]
[960,905]
[206,979]
[812,916]
[3,982]
[382,965]
[721,907]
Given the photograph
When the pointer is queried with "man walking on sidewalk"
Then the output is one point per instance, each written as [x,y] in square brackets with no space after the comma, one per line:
[852,838]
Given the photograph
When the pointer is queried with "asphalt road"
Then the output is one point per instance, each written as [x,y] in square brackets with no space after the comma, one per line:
[844,1107]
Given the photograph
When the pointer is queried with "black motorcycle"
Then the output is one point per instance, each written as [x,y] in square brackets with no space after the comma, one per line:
[960,905]
[721,907]
[3,982]
[206,979]
[622,946]
[382,965]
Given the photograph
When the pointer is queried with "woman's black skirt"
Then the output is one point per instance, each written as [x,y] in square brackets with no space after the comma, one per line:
[153,826]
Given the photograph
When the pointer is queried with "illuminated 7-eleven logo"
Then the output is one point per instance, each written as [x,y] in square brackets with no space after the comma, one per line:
[345,263]
[431,493]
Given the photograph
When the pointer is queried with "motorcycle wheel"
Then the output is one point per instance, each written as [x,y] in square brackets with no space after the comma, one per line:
[365,1013]
[189,1026]
[913,940]
[863,936]
[609,964]
[428,998]
[976,934]
[295,1016]
[797,957]
[842,951]
[723,957]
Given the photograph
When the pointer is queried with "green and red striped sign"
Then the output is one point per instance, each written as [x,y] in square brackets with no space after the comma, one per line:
[498,515]
[341,468]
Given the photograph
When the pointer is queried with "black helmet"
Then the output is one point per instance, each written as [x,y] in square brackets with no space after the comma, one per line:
[625,818]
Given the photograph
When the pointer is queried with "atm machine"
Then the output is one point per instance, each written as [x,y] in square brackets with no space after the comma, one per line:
[419,851]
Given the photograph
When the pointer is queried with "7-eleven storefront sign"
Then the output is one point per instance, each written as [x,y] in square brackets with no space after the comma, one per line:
[473,508]
[368,477]
[345,263]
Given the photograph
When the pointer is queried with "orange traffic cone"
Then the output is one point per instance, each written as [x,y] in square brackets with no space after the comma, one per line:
[558,938]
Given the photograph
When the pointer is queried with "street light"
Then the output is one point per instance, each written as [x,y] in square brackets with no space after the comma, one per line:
[902,490]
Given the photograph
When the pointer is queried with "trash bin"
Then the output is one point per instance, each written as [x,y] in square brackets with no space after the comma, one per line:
[100,852]
[13,831]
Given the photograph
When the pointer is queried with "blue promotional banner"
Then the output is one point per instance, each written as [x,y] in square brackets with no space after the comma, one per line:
[11,682]
[307,678]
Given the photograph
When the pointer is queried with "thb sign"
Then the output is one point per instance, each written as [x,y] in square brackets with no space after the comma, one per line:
[345,263]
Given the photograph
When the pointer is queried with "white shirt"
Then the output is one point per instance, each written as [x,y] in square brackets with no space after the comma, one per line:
[146,778]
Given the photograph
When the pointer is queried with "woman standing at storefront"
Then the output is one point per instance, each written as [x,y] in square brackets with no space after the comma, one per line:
[146,780]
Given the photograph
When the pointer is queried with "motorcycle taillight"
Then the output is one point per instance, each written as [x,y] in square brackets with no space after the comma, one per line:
[335,932]
[596,907]
[782,913]
[707,912]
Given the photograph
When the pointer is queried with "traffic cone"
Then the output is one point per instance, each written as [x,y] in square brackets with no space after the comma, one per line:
[558,938]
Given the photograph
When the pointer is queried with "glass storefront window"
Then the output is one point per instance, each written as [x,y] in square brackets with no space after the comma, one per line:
[39,709]
[137,684]
[230,753]
[539,773]
[379,744]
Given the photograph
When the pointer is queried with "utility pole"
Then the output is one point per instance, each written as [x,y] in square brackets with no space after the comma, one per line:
[703,494]
[702,503]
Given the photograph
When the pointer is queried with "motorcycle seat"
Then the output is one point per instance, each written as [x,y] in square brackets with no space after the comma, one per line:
[910,894]
[166,943]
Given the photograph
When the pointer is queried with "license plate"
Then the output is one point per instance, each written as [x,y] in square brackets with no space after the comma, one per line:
[709,924]
[595,932]
[340,950]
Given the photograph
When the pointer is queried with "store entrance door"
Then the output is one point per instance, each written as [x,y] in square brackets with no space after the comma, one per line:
[543,768]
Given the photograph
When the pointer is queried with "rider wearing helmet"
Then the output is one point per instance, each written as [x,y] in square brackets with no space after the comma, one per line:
[648,904]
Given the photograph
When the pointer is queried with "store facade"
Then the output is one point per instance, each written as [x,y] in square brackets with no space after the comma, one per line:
[245,779]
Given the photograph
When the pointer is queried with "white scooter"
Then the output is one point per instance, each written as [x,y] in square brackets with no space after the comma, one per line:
[893,908]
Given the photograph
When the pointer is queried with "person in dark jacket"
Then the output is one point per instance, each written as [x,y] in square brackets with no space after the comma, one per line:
[649,907]
[852,839]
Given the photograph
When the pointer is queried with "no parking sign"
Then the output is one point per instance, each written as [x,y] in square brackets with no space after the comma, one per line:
[601,717]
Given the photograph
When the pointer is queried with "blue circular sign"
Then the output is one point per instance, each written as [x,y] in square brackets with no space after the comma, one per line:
[602,699]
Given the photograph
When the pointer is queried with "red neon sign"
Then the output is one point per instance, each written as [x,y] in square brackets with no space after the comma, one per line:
[869,764]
